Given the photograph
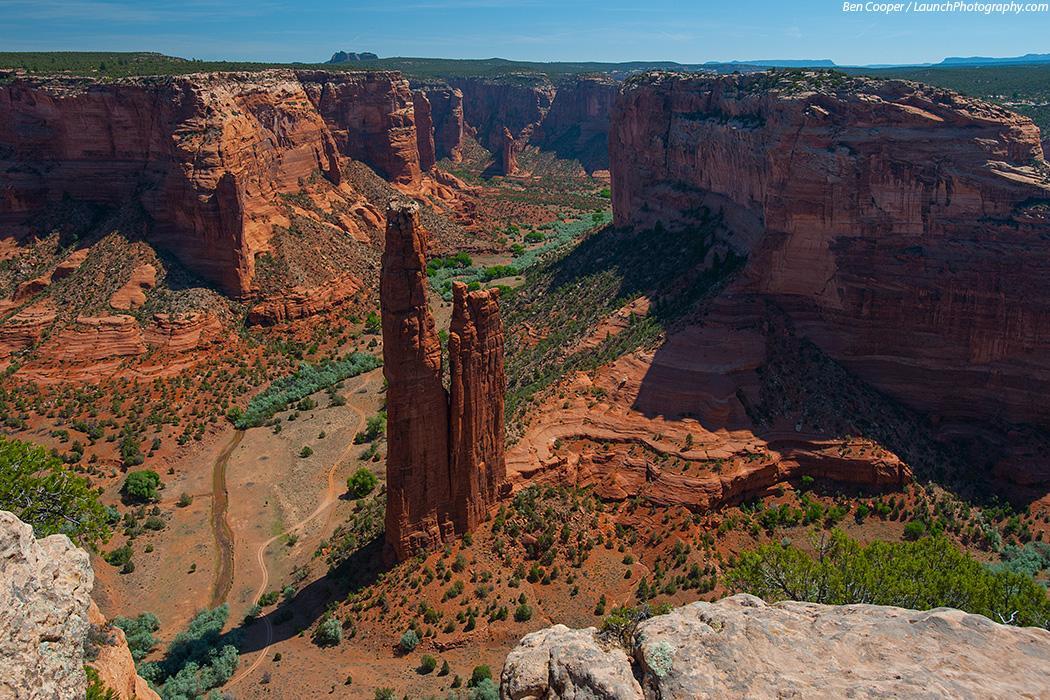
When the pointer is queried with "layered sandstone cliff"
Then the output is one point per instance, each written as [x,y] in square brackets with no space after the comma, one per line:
[577,125]
[515,102]
[446,105]
[901,228]
[205,156]
[740,647]
[445,460]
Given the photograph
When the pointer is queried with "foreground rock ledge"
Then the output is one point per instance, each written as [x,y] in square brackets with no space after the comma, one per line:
[740,647]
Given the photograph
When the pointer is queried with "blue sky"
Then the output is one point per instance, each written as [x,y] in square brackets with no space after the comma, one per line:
[689,32]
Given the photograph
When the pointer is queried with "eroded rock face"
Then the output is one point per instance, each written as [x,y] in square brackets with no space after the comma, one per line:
[577,125]
[371,118]
[740,647]
[518,104]
[559,662]
[445,462]
[45,591]
[46,614]
[446,106]
[424,130]
[205,155]
[831,186]
[418,487]
[477,386]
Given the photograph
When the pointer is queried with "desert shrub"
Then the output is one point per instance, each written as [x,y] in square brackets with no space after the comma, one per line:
[486,689]
[141,486]
[130,451]
[307,451]
[375,427]
[305,381]
[121,556]
[385,694]
[1030,559]
[139,632]
[409,640]
[361,483]
[35,486]
[427,664]
[523,613]
[329,633]
[96,689]
[479,674]
[927,573]
[197,660]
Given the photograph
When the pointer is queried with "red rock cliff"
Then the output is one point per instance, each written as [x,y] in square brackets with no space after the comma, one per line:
[418,488]
[476,389]
[205,155]
[446,106]
[903,228]
[577,126]
[371,117]
[518,103]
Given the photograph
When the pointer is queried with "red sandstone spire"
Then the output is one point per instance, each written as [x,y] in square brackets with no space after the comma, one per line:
[476,389]
[418,490]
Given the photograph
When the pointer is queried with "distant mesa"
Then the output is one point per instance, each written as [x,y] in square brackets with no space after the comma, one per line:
[350,57]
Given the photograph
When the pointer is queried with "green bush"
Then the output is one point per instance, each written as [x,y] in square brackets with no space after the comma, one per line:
[35,486]
[197,660]
[328,633]
[486,689]
[307,451]
[361,483]
[139,633]
[427,664]
[385,694]
[479,674]
[523,613]
[927,573]
[141,486]
[409,640]
[375,427]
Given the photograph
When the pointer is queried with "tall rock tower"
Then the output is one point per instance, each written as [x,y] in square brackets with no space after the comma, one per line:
[445,455]
[477,384]
[418,487]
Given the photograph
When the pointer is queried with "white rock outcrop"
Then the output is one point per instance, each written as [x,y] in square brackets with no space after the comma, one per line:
[45,591]
[740,647]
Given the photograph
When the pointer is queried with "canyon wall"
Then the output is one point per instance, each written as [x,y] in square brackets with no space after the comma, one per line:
[446,105]
[577,125]
[371,117]
[445,459]
[517,102]
[902,228]
[205,156]
[424,130]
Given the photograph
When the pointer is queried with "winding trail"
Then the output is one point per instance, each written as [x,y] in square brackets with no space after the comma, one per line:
[220,524]
[330,497]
